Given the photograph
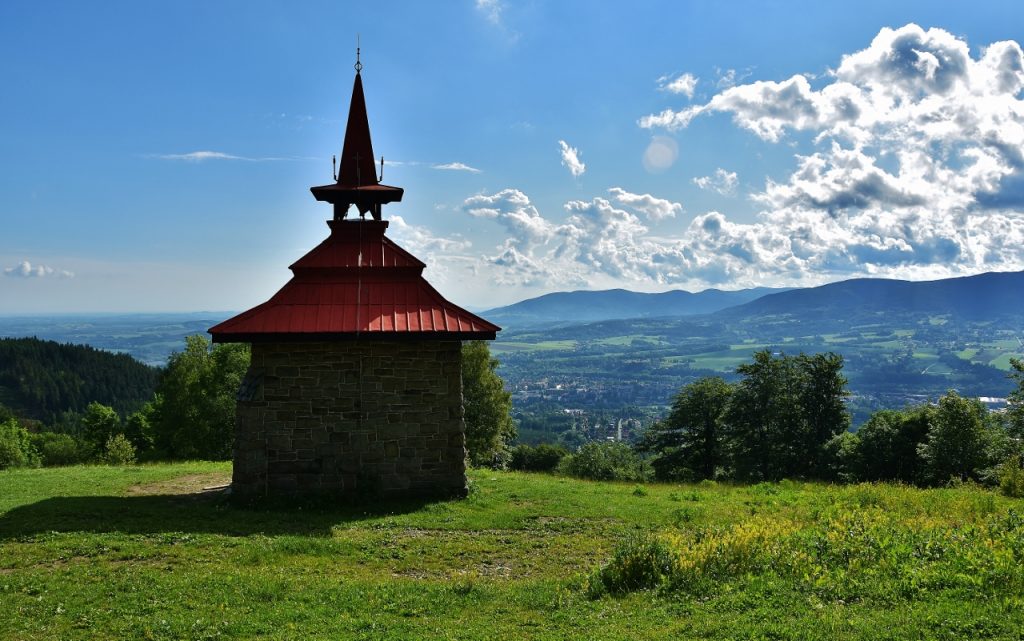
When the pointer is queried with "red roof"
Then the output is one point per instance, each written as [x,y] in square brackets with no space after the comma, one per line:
[355,284]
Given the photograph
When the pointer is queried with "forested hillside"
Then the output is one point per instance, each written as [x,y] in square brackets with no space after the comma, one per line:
[590,306]
[986,297]
[42,379]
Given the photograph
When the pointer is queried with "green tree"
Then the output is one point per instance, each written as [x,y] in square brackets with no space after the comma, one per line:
[6,413]
[16,446]
[58,449]
[118,451]
[783,413]
[138,428]
[488,406]
[955,447]
[193,411]
[822,398]
[1015,401]
[840,458]
[99,423]
[762,421]
[888,444]
[688,443]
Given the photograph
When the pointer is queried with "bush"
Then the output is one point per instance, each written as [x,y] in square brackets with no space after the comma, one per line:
[58,449]
[118,451]
[605,461]
[16,446]
[542,458]
[640,563]
[1011,478]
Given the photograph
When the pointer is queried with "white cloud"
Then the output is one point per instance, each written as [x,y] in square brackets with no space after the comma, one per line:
[913,168]
[25,269]
[655,209]
[571,159]
[514,211]
[456,166]
[420,240]
[684,84]
[726,78]
[202,156]
[491,10]
[722,181]
[917,168]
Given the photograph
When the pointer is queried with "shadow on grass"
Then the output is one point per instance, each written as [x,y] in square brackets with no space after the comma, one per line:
[205,513]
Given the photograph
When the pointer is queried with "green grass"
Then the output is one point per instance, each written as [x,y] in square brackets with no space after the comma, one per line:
[1003,360]
[100,552]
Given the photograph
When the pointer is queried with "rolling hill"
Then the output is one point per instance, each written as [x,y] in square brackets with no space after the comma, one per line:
[612,304]
[982,297]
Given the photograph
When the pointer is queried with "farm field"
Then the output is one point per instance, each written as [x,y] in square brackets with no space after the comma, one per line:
[890,361]
[146,552]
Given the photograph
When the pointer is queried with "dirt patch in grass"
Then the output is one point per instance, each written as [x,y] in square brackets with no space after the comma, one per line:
[210,484]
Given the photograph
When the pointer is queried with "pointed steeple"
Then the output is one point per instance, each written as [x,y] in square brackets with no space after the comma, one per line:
[357,167]
[357,183]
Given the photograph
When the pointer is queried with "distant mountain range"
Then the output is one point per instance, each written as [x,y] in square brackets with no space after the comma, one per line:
[615,304]
[985,296]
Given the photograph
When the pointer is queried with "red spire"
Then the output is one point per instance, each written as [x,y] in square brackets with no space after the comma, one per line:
[357,167]
[357,183]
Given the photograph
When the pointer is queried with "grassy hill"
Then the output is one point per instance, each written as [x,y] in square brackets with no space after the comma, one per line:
[143,552]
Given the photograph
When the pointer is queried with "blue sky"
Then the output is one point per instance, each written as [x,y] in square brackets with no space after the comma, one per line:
[158,156]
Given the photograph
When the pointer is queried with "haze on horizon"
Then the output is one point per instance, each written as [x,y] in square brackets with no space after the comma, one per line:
[165,165]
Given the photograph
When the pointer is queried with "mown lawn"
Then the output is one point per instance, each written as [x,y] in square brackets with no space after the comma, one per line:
[144,553]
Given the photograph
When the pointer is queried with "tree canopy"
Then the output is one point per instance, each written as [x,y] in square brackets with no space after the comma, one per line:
[488,406]
[193,413]
[689,441]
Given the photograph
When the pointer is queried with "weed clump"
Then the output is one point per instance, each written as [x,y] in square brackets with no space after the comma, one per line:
[641,562]
[848,555]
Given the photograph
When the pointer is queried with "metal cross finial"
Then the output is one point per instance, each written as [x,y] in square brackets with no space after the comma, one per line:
[359,65]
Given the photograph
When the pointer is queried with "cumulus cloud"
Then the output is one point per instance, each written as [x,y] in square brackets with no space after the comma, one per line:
[722,181]
[910,166]
[571,159]
[654,208]
[916,169]
[420,240]
[513,210]
[25,269]
[684,84]
[456,166]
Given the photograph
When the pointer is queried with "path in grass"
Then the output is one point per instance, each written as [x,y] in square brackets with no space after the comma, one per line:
[155,552]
